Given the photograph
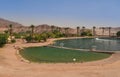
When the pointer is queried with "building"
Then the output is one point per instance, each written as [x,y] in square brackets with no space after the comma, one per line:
[107,31]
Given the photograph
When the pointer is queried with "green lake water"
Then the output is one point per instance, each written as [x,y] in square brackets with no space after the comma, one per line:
[106,44]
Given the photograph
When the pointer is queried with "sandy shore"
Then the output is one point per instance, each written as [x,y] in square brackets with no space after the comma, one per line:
[12,66]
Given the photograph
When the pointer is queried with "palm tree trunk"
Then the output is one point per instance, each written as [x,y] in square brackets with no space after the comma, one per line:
[94,33]
[103,31]
[78,31]
[11,30]
[66,32]
[109,31]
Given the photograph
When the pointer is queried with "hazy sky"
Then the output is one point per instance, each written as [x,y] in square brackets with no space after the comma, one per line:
[70,13]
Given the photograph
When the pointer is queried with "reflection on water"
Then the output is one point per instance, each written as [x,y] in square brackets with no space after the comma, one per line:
[109,44]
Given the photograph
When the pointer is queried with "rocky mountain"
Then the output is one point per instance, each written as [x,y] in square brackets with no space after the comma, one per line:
[42,28]
[4,25]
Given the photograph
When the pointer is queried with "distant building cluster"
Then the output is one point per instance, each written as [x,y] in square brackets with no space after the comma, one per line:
[106,31]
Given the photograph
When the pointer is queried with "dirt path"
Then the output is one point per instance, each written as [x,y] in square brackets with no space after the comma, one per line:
[11,66]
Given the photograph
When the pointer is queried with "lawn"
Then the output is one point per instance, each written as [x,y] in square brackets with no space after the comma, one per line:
[58,55]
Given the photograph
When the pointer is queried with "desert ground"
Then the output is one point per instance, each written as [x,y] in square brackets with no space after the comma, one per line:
[12,66]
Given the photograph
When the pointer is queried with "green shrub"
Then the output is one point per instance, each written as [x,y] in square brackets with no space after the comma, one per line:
[50,35]
[84,34]
[44,36]
[3,40]
[90,34]
[13,41]
[35,38]
[118,34]
[29,38]
[19,35]
[58,34]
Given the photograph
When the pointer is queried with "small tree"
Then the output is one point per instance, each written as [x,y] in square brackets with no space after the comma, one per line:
[51,35]
[84,34]
[57,34]
[3,40]
[44,37]
[118,34]
[29,39]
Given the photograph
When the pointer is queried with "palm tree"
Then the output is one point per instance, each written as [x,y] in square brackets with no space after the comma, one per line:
[78,31]
[103,29]
[83,29]
[58,28]
[94,33]
[32,30]
[66,31]
[10,29]
[52,28]
[109,31]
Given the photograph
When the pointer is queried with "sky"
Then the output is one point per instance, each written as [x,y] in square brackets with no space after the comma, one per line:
[69,13]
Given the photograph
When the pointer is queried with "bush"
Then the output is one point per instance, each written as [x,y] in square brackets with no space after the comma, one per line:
[84,34]
[118,34]
[51,35]
[29,38]
[35,38]
[58,34]
[19,35]
[90,35]
[44,36]
[13,40]
[3,40]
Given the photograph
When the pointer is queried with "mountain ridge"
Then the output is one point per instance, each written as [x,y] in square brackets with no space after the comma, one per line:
[17,27]
[6,23]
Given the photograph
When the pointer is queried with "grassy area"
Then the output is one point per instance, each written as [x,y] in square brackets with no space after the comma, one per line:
[57,55]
